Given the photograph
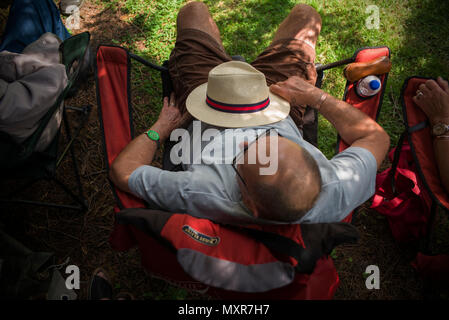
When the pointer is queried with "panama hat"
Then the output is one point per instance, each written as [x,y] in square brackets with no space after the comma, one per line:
[236,95]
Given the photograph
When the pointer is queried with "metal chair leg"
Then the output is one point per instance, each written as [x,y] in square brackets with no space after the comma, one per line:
[79,199]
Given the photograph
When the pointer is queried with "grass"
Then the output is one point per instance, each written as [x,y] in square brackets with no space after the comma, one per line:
[415,31]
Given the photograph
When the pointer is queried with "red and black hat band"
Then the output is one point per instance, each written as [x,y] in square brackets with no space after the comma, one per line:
[237,108]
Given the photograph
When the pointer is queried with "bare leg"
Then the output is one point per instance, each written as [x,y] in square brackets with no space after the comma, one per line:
[195,15]
[198,49]
[292,53]
[303,23]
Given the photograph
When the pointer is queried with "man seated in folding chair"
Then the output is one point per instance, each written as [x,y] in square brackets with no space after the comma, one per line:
[433,98]
[306,187]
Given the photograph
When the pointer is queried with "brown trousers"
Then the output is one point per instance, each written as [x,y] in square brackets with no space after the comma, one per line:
[196,53]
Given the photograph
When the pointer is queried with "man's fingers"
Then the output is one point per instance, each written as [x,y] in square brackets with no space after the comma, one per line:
[443,84]
[165,101]
[275,88]
[280,91]
[172,100]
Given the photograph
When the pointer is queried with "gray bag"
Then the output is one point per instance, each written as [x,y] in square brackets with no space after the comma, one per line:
[30,84]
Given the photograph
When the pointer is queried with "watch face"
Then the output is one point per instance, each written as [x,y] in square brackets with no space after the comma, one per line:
[439,129]
[153,135]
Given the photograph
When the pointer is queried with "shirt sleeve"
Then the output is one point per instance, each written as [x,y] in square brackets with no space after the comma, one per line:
[161,189]
[356,170]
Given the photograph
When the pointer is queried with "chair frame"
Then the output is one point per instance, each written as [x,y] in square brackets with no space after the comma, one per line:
[81,203]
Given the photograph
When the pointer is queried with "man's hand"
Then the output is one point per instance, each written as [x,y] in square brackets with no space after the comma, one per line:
[169,119]
[297,91]
[141,150]
[354,126]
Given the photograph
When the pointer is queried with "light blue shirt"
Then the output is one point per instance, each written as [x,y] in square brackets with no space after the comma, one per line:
[211,191]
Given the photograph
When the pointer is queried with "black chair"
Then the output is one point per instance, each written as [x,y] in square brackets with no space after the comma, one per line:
[23,162]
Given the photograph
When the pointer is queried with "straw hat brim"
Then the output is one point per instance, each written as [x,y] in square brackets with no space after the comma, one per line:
[197,107]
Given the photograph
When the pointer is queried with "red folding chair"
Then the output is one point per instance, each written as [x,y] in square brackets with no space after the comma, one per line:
[161,236]
[410,192]
[372,105]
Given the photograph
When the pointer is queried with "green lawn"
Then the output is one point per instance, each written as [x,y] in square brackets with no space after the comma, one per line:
[416,32]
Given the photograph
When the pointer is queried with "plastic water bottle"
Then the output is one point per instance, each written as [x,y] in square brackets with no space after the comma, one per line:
[368,86]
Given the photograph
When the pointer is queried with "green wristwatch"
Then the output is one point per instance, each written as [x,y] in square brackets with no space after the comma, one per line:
[153,135]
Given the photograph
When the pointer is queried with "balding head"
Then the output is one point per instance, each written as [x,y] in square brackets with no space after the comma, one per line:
[287,194]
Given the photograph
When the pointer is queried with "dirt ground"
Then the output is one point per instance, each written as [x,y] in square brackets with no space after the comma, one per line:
[83,237]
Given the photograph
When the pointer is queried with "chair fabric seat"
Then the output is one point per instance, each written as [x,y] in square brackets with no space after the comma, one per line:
[115,113]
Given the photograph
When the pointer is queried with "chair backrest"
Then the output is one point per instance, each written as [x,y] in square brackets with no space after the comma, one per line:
[417,129]
[112,76]
[409,192]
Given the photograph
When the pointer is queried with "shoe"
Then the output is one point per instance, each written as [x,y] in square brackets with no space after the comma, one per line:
[68,6]
[100,288]
[358,70]
[124,296]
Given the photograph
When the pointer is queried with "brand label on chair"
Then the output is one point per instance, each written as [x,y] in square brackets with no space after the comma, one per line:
[200,237]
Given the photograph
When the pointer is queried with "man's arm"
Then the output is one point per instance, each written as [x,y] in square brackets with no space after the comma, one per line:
[142,149]
[354,126]
[434,102]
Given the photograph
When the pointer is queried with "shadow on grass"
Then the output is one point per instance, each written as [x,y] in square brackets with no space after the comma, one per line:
[422,49]
[426,49]
[109,27]
[248,30]
[342,37]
